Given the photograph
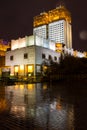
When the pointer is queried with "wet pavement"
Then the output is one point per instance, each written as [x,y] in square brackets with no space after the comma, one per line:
[54,106]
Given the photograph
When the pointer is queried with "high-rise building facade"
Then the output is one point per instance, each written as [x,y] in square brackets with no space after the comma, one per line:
[40,25]
[54,25]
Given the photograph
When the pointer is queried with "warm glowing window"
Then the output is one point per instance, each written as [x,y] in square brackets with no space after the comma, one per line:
[21,87]
[11,57]
[44,68]
[16,68]
[21,67]
[30,68]
[30,87]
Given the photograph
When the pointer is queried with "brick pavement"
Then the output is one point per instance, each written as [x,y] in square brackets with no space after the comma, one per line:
[9,122]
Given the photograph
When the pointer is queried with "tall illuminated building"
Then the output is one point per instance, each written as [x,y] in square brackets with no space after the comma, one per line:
[40,25]
[54,25]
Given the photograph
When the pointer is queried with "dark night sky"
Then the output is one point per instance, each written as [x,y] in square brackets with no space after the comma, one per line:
[16,18]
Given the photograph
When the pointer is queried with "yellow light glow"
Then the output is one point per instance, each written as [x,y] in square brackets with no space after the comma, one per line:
[3,105]
[21,86]
[16,69]
[30,87]
[52,15]
[40,19]
[21,71]
[21,67]
[85,54]
[58,106]
[59,51]
[16,87]
[30,68]
[45,87]
[59,47]
[3,48]
[45,67]
[75,53]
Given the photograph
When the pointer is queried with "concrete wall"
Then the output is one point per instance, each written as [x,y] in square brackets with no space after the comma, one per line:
[18,56]
[34,57]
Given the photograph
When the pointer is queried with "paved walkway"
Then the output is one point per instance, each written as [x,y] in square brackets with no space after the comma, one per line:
[9,122]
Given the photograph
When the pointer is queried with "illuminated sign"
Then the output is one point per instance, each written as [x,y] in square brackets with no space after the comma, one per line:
[59,47]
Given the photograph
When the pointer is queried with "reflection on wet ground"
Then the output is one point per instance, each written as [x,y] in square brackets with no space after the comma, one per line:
[59,106]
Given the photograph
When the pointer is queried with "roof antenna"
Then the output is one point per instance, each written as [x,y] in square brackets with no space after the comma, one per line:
[43,10]
[60,3]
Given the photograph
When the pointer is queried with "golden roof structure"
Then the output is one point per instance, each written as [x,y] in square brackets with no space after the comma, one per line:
[58,13]
[41,19]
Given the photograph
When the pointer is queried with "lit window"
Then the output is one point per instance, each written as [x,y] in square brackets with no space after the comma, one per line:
[16,69]
[21,67]
[30,68]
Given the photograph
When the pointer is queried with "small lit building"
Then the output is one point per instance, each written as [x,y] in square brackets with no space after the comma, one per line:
[4,45]
[28,54]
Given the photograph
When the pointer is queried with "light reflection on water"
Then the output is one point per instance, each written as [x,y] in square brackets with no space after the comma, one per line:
[45,105]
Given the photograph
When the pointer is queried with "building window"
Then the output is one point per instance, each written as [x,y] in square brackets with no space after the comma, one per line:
[50,57]
[43,56]
[25,55]
[55,58]
[16,69]
[30,68]
[11,57]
